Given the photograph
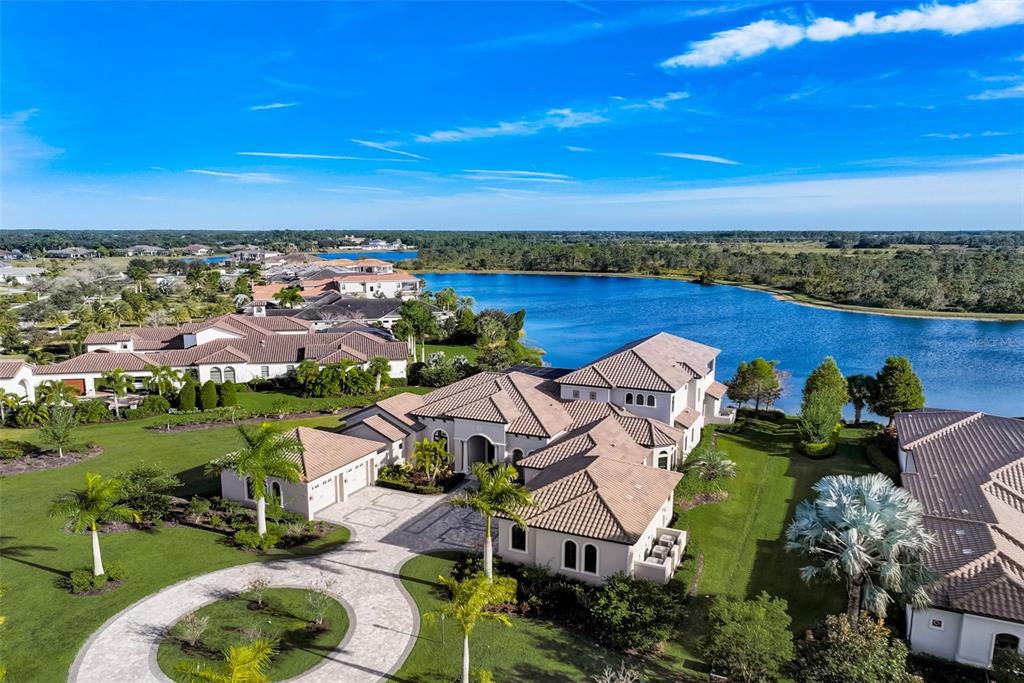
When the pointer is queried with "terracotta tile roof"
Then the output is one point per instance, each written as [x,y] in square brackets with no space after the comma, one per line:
[661,362]
[228,354]
[107,337]
[323,452]
[375,277]
[645,431]
[604,438]
[400,407]
[687,417]
[384,428]
[969,477]
[98,361]
[10,368]
[717,389]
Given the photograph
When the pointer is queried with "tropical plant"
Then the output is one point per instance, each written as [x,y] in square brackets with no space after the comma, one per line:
[862,391]
[289,297]
[498,493]
[431,458]
[468,604]
[898,388]
[749,640]
[208,395]
[58,431]
[98,502]
[819,415]
[163,379]
[837,652]
[190,628]
[8,401]
[54,392]
[266,452]
[711,464]
[868,532]
[380,368]
[147,489]
[117,383]
[632,615]
[32,414]
[242,664]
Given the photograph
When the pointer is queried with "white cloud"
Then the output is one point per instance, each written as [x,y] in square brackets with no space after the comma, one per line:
[21,147]
[761,36]
[387,147]
[359,189]
[559,119]
[272,105]
[948,136]
[994,133]
[517,176]
[256,178]
[698,157]
[1013,92]
[574,148]
[995,159]
[658,102]
[300,155]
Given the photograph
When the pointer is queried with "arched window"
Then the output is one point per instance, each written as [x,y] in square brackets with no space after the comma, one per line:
[215,375]
[569,555]
[517,454]
[629,399]
[650,401]
[275,491]
[440,435]
[590,558]
[1007,641]
[517,540]
[229,374]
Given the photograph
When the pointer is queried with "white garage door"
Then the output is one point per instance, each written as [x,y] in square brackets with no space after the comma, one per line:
[356,478]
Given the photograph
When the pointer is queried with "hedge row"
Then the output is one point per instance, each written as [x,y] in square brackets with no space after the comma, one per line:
[442,486]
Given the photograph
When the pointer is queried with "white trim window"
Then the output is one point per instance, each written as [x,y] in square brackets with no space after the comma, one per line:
[590,559]
[517,539]
[569,555]
[629,398]
[651,401]
[264,371]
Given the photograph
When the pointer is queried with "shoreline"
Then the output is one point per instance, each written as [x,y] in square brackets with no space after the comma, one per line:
[779,294]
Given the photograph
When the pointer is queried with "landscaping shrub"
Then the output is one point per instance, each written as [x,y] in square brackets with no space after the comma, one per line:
[116,570]
[932,668]
[1007,666]
[401,481]
[152,405]
[208,395]
[834,653]
[146,489]
[214,416]
[12,450]
[750,639]
[92,412]
[822,449]
[250,539]
[197,508]
[228,395]
[187,397]
[631,614]
[82,581]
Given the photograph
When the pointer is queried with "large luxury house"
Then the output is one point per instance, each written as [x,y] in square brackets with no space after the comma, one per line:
[598,447]
[226,348]
[364,277]
[967,470]
[331,308]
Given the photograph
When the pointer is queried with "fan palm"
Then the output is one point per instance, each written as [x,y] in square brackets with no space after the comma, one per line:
[869,532]
[242,664]
[118,383]
[54,392]
[498,493]
[98,502]
[163,379]
[266,452]
[468,605]
[711,465]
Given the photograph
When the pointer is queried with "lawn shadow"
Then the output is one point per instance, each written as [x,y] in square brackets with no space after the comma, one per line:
[19,553]
[195,482]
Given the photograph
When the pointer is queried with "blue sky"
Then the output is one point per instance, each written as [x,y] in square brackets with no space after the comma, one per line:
[532,115]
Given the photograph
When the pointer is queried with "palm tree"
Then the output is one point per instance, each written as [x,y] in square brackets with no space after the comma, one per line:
[163,379]
[289,297]
[118,383]
[8,401]
[54,392]
[869,532]
[242,664]
[498,493]
[98,502]
[266,452]
[468,604]
[711,464]
[861,389]
[380,367]
[59,319]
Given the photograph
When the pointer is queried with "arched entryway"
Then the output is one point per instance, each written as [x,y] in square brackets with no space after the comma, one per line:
[479,449]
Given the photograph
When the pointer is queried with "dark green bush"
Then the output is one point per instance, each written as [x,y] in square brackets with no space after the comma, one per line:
[153,405]
[631,614]
[822,449]
[228,395]
[187,397]
[116,570]
[82,581]
[146,489]
[208,395]
[92,412]
[250,539]
[12,450]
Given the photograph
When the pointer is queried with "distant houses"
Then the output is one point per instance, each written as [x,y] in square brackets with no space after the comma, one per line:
[196,250]
[142,250]
[71,253]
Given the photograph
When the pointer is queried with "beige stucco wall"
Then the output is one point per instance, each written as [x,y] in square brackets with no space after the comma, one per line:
[965,638]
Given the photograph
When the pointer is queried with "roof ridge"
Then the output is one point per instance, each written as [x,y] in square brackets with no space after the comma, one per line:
[942,431]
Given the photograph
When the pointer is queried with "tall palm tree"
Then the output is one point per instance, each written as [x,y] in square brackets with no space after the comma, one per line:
[266,452]
[54,392]
[861,389]
[868,532]
[98,502]
[498,493]
[289,297]
[118,383]
[468,605]
[242,664]
[380,367]
[163,379]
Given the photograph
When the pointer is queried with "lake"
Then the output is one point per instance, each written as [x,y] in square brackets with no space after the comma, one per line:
[383,255]
[973,365]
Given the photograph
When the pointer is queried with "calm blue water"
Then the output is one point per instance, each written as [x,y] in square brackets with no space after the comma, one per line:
[962,363]
[383,255]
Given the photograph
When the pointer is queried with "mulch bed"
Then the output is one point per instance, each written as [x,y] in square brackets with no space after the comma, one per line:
[45,461]
[702,499]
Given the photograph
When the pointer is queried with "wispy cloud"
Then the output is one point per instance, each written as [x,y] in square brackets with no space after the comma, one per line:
[272,105]
[658,102]
[255,178]
[21,146]
[301,155]
[388,147]
[516,176]
[761,36]
[359,189]
[964,136]
[698,157]
[558,119]
[995,159]
[1013,92]
[291,85]
[574,148]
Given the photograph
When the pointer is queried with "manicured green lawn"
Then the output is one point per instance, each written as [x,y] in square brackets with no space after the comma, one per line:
[531,650]
[454,350]
[266,401]
[45,624]
[742,538]
[285,619]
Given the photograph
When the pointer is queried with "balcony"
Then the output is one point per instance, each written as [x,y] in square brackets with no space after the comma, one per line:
[660,561]
[724,416]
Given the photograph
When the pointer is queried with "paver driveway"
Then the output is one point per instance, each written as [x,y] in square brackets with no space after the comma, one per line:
[388,527]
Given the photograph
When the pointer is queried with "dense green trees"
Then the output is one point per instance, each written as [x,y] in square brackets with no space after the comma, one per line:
[821,410]
[897,388]
[749,640]
[759,381]
[837,652]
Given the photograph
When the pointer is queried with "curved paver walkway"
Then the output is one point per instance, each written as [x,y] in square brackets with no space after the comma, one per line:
[388,527]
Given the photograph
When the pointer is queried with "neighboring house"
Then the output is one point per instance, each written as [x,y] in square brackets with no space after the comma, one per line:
[11,255]
[226,348]
[196,250]
[71,253]
[251,255]
[16,378]
[142,250]
[359,278]
[333,467]
[603,471]
[331,308]
[20,274]
[967,470]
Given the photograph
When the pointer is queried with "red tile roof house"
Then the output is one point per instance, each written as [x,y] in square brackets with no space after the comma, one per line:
[598,447]
[16,378]
[229,347]
[967,471]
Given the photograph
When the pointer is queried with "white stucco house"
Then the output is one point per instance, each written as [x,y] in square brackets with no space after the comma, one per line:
[16,378]
[231,347]
[333,467]
[967,471]
[602,467]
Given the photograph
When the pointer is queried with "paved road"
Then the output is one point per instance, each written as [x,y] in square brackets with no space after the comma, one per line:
[388,527]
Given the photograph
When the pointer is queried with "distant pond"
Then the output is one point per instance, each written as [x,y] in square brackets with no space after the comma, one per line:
[965,364]
[383,255]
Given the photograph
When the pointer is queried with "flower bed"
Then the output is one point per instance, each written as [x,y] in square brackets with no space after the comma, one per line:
[403,478]
[284,529]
